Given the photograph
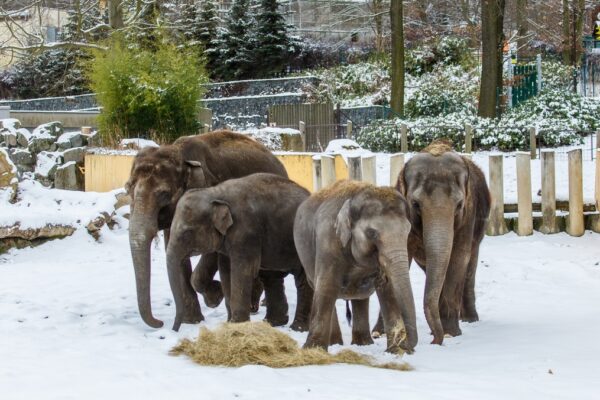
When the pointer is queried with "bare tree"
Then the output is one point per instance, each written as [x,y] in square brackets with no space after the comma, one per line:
[492,38]
[397,31]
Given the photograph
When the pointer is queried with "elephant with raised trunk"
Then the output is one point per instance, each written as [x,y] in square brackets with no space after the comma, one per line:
[449,204]
[249,223]
[159,177]
[351,239]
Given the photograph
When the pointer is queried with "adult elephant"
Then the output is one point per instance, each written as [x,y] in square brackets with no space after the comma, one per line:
[449,202]
[159,177]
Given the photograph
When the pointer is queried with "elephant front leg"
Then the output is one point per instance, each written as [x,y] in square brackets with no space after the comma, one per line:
[396,333]
[202,280]
[304,302]
[243,269]
[192,314]
[257,291]
[321,320]
[360,323]
[468,311]
[225,275]
[277,305]
[452,292]
[378,329]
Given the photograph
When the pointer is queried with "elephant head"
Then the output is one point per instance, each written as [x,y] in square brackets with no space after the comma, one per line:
[436,187]
[374,226]
[159,177]
[199,227]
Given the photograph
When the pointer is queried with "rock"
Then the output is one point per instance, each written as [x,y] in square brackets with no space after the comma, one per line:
[69,140]
[123,199]
[8,170]
[46,166]
[95,226]
[137,144]
[23,159]
[76,154]
[53,129]
[91,139]
[23,136]
[39,144]
[10,139]
[48,231]
[68,177]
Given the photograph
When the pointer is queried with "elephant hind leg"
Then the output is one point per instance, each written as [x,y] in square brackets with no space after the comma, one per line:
[277,305]
[468,311]
[379,328]
[304,302]
[335,336]
[360,323]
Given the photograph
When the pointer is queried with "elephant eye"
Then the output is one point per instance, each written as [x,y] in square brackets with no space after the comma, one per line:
[163,197]
[371,233]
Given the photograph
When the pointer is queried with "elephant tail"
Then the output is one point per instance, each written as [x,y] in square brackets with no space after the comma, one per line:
[348,313]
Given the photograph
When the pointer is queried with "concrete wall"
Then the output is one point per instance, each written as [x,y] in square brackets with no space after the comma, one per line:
[106,172]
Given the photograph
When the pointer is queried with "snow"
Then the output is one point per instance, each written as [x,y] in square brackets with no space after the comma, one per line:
[46,160]
[138,143]
[67,136]
[69,328]
[38,206]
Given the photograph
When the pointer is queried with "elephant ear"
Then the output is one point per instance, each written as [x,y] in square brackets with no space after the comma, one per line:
[401,182]
[343,227]
[221,216]
[199,176]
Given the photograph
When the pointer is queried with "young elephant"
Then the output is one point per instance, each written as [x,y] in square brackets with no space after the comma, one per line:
[351,239]
[249,222]
[450,202]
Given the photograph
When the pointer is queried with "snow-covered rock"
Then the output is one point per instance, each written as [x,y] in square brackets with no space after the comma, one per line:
[46,165]
[70,139]
[8,177]
[137,143]
[68,177]
[275,138]
[76,154]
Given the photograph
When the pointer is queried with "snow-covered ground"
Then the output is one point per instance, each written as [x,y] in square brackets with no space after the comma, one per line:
[69,329]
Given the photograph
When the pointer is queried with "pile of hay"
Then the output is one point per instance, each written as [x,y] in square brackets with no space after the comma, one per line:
[257,343]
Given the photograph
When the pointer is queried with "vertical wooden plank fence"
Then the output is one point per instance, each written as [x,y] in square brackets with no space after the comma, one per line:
[575,225]
[496,223]
[525,220]
[369,169]
[396,165]
[549,224]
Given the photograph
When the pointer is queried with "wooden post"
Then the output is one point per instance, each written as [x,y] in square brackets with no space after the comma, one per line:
[86,130]
[468,138]
[327,170]
[496,223]
[575,223]
[404,138]
[349,130]
[396,165]
[525,219]
[316,175]
[369,169]
[597,192]
[532,143]
[302,129]
[548,193]
[354,168]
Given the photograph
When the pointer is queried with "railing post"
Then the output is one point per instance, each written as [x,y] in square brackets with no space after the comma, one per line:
[327,170]
[597,188]
[316,167]
[525,220]
[532,142]
[349,130]
[404,138]
[549,224]
[496,223]
[396,165]
[575,223]
[369,169]
[354,168]
[468,138]
[302,129]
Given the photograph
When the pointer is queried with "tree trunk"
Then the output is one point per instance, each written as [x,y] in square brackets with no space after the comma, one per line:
[566,32]
[397,32]
[522,27]
[115,14]
[377,10]
[492,38]
[578,19]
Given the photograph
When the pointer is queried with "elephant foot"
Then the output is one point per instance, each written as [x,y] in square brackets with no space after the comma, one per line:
[192,314]
[312,343]
[299,326]
[360,339]
[277,321]
[212,294]
[451,327]
[379,329]
[336,338]
[438,340]
[253,309]
[469,316]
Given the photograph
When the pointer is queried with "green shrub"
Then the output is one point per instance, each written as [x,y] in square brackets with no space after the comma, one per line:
[444,91]
[556,75]
[446,51]
[147,94]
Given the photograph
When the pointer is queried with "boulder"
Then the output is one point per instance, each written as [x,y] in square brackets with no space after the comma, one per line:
[76,154]
[40,144]
[68,177]
[69,140]
[8,176]
[23,136]
[53,129]
[23,159]
[92,138]
[46,165]
[10,139]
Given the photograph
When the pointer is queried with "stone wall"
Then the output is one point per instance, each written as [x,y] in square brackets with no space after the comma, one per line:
[259,87]
[67,103]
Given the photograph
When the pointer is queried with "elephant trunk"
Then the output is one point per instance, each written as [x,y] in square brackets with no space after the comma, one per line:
[396,268]
[175,254]
[142,229]
[438,233]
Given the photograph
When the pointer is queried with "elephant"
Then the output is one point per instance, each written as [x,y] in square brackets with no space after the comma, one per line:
[352,240]
[449,204]
[159,177]
[249,222]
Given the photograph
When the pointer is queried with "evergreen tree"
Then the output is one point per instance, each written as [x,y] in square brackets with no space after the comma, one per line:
[274,46]
[189,25]
[208,23]
[237,43]
[143,34]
